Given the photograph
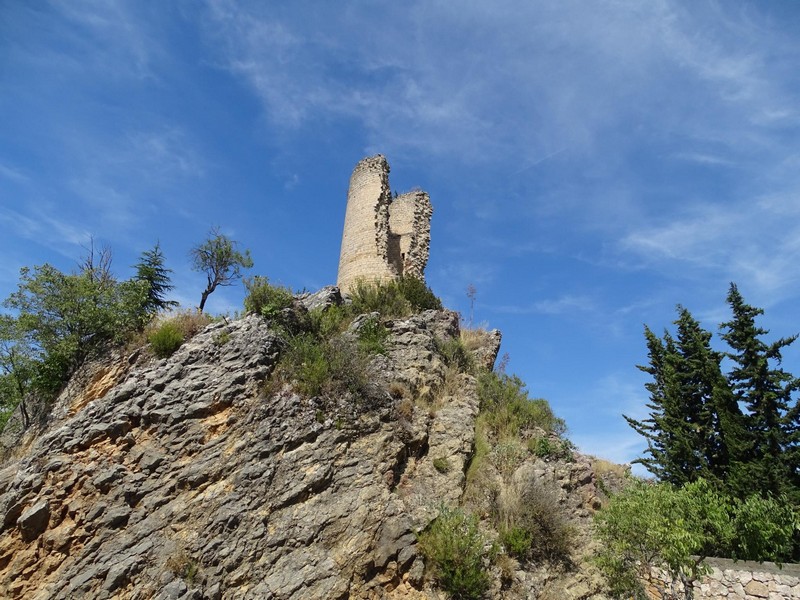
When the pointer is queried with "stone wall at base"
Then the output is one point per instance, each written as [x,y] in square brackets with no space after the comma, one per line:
[743,580]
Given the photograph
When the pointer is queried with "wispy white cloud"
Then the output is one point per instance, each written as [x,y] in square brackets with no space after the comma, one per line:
[566,304]
[752,243]
[41,226]
[13,174]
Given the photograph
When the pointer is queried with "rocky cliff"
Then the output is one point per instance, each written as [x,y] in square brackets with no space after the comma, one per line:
[183,478]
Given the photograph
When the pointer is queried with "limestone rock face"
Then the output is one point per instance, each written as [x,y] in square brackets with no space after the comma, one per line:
[181,478]
[185,481]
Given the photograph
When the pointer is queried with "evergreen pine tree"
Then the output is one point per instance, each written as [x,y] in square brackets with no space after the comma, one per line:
[151,270]
[664,428]
[770,454]
[712,416]
[694,426]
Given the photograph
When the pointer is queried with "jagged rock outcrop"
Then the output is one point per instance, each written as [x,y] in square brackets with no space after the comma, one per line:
[181,478]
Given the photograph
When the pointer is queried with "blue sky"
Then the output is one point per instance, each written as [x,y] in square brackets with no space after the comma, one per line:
[591,164]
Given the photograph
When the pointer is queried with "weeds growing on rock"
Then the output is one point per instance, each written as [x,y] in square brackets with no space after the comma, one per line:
[454,547]
[264,298]
[167,334]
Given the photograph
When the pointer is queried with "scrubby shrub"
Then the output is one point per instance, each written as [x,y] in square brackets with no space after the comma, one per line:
[418,294]
[532,524]
[395,298]
[547,448]
[181,565]
[516,541]
[325,323]
[454,354]
[166,339]
[264,298]
[317,367]
[168,333]
[441,464]
[473,337]
[509,410]
[454,547]
[372,337]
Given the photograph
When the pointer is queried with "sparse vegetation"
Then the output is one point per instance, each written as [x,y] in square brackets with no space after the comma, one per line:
[372,337]
[456,551]
[167,334]
[455,354]
[183,566]
[265,299]
[442,464]
[165,339]
[532,525]
[397,298]
[509,411]
[549,449]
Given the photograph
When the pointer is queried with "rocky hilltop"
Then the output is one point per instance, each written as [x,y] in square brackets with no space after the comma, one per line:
[188,477]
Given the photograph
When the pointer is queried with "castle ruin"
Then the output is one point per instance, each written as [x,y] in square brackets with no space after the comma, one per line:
[384,237]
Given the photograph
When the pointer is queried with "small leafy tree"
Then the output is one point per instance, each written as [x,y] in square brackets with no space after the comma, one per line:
[151,271]
[63,318]
[16,371]
[221,261]
[661,526]
[675,528]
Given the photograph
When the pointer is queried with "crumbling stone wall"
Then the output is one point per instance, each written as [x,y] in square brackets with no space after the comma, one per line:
[384,237]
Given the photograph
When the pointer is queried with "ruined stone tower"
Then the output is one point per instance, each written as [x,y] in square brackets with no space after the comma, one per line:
[384,237]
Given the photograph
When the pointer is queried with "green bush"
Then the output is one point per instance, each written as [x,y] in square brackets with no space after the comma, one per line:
[454,548]
[533,526]
[442,465]
[395,298]
[325,323]
[508,408]
[166,339]
[418,294]
[265,299]
[455,354]
[517,541]
[546,448]
[381,297]
[372,337]
[659,525]
[323,367]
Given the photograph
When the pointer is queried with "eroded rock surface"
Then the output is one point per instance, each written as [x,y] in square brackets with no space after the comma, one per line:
[185,481]
[180,478]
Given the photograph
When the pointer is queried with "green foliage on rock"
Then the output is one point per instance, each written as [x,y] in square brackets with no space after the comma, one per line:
[395,298]
[372,337]
[456,552]
[508,410]
[165,339]
[265,299]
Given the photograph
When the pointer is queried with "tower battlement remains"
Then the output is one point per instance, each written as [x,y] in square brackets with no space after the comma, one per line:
[384,238]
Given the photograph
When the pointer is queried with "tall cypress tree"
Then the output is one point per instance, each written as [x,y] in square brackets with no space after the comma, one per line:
[652,428]
[770,455]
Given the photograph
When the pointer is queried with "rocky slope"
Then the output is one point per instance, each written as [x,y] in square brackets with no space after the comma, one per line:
[181,478]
